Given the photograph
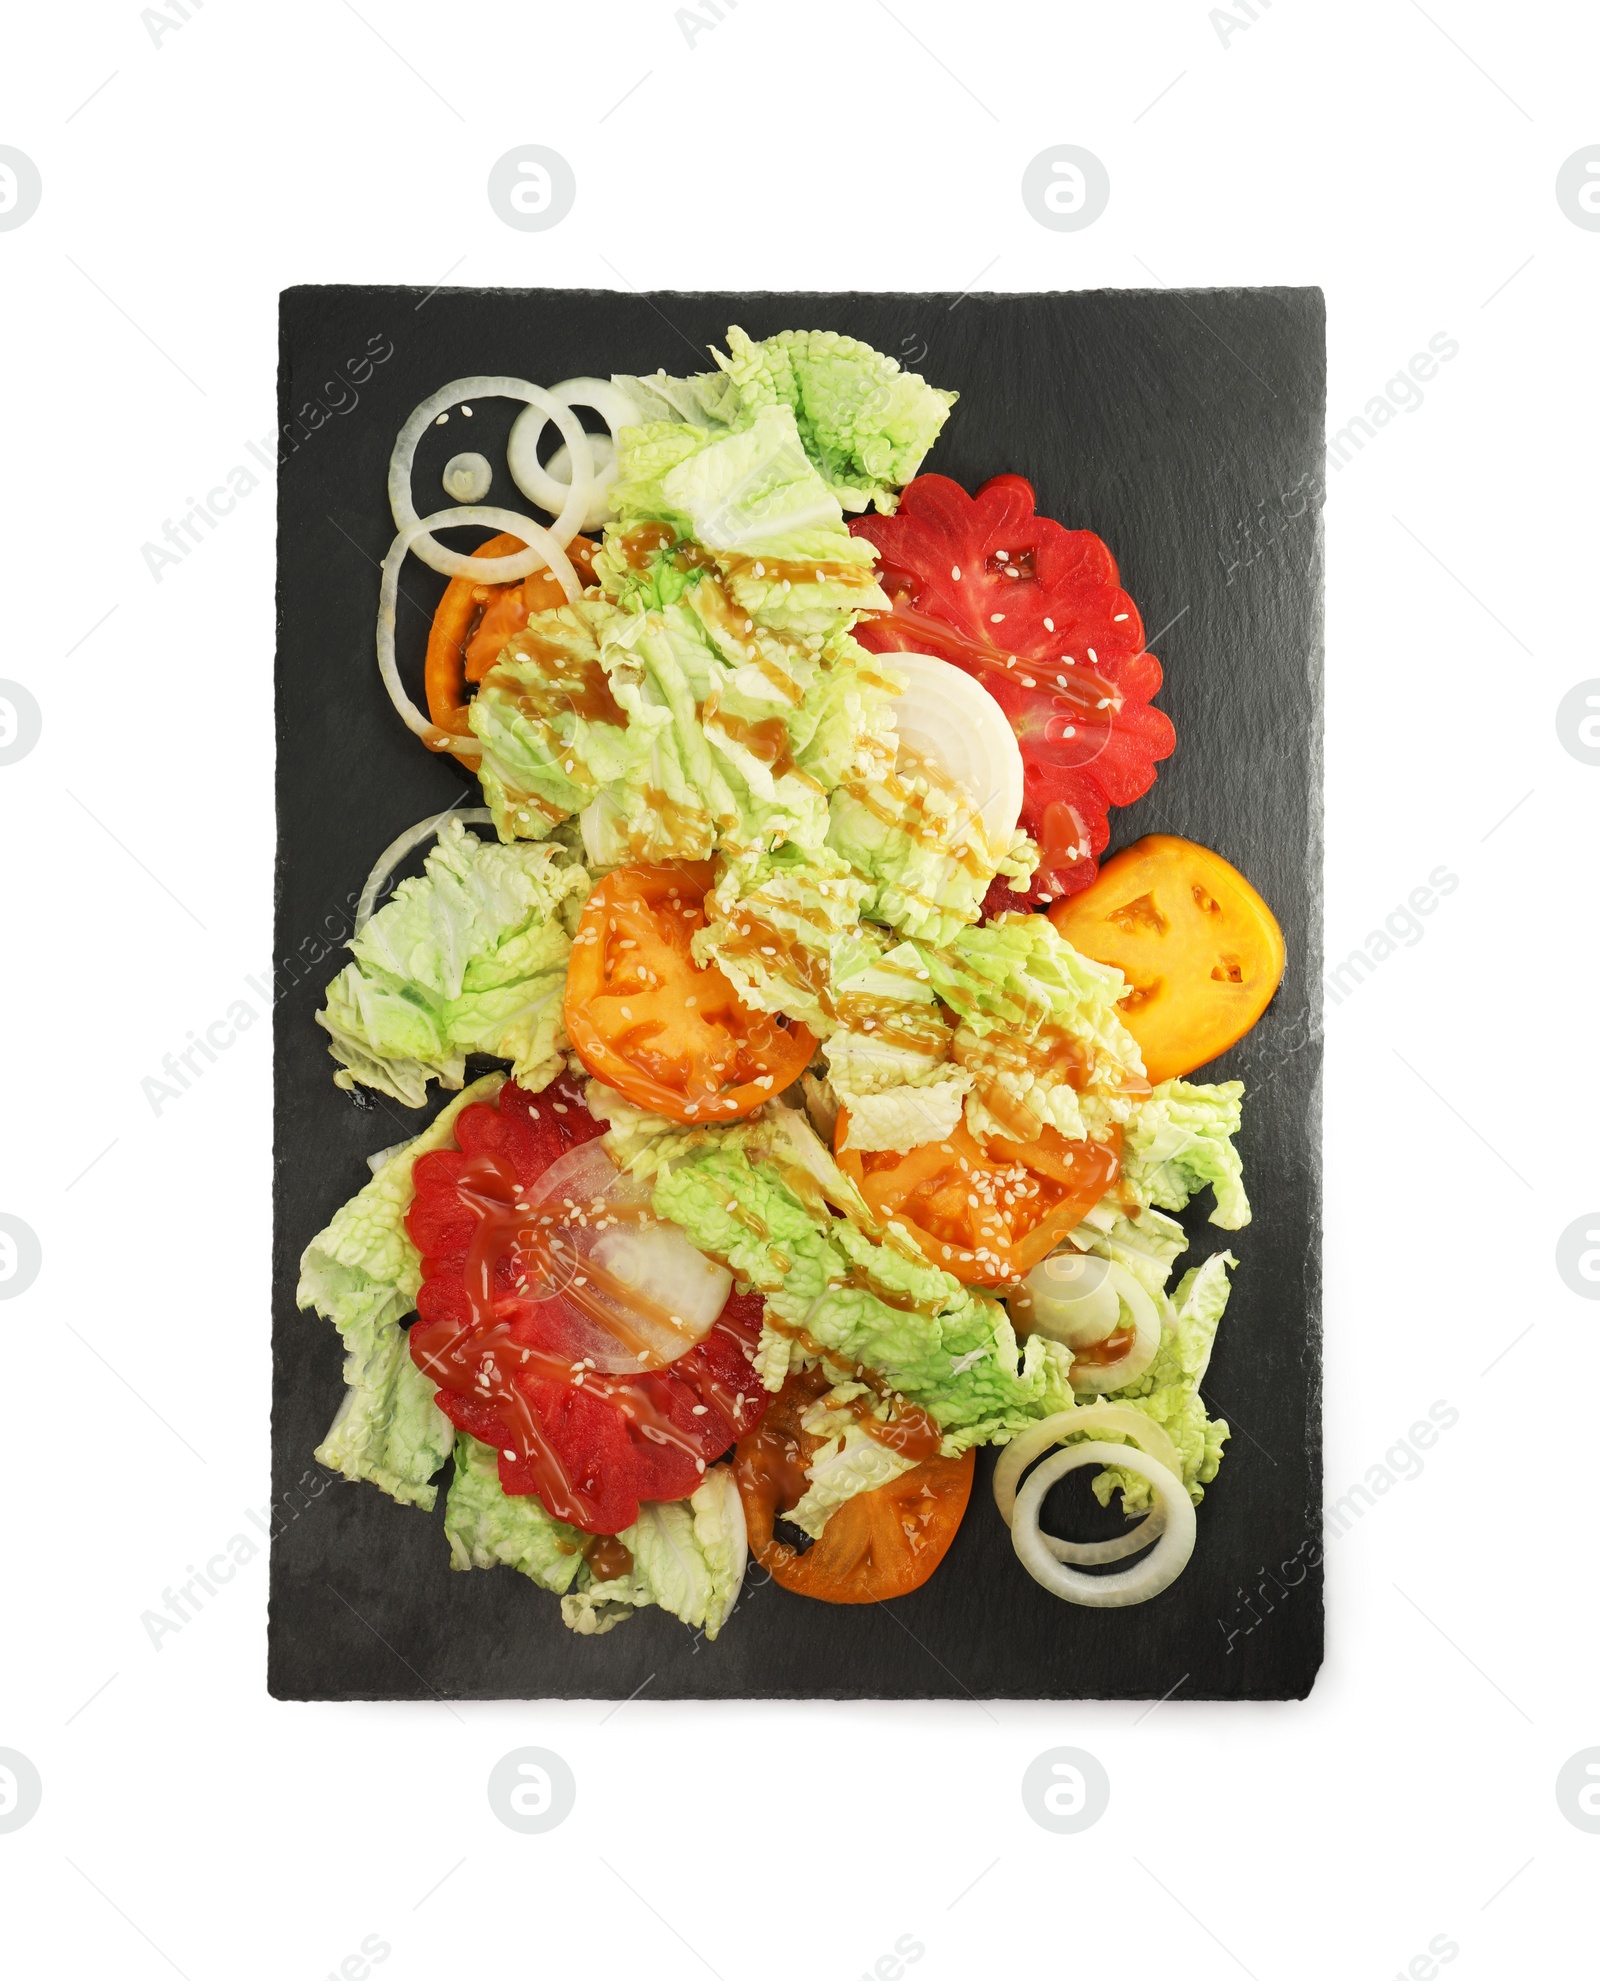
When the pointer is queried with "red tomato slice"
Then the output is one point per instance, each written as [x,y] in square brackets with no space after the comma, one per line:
[1033,611]
[591,1448]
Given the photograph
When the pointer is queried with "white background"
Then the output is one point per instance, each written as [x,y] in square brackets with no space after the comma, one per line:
[1405,161]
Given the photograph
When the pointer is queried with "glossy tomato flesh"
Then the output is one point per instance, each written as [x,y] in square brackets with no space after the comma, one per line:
[591,1451]
[1035,612]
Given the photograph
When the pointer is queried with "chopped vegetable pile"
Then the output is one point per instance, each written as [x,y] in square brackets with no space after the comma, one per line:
[813,1156]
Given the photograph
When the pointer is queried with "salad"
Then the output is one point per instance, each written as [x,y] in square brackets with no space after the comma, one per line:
[812,1105]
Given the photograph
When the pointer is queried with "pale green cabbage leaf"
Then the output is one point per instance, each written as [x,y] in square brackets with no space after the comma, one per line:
[471,957]
[1179,1141]
[689,1558]
[866,424]
[363,1274]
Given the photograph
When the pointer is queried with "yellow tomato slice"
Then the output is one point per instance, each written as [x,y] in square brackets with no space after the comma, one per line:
[1202,952]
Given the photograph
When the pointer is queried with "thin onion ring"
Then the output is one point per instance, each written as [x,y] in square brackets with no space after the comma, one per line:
[522,449]
[1038,1438]
[541,549]
[452,563]
[1165,1562]
[1095,1378]
[396,851]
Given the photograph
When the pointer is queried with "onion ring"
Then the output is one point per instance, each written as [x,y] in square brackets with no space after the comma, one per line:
[1095,1378]
[569,520]
[1160,1568]
[522,449]
[393,854]
[1038,1438]
[541,549]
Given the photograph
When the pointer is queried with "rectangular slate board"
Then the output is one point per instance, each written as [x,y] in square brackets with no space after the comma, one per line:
[1186,429]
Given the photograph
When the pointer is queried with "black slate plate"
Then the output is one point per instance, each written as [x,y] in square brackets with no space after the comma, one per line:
[1186,429]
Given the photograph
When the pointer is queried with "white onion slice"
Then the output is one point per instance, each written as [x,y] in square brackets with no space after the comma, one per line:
[393,854]
[945,716]
[1069,1297]
[542,549]
[575,502]
[1096,1378]
[1120,1418]
[1161,1567]
[542,484]
[606,1238]
[603,455]
[466,477]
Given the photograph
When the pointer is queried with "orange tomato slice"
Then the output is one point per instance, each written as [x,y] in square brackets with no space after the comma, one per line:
[986,1213]
[666,1032]
[472,622]
[877,1545]
[1200,949]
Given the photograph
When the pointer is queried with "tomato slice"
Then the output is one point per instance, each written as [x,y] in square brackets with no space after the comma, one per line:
[1202,952]
[1035,612]
[669,1034]
[877,1545]
[988,1213]
[590,1448]
[472,622]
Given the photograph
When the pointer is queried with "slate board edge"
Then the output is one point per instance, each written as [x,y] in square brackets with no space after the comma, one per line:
[286,1245]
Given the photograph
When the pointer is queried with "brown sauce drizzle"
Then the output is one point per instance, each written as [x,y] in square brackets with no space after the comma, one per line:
[1052,1055]
[762,946]
[771,1460]
[893,803]
[908,1429]
[688,830]
[800,571]
[1099,1354]
[608,1557]
[566,681]
[767,740]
